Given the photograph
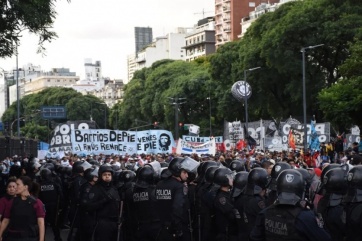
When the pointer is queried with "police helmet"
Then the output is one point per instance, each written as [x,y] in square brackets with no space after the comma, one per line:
[80,166]
[202,169]
[210,174]
[145,176]
[290,187]
[257,181]
[105,168]
[165,173]
[179,163]
[335,184]
[329,167]
[91,173]
[237,166]
[224,177]
[307,176]
[126,176]
[50,166]
[240,181]
[277,169]
[354,192]
[45,174]
[321,190]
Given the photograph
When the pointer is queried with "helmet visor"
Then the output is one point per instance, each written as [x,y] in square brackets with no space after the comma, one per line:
[86,165]
[95,172]
[156,166]
[189,165]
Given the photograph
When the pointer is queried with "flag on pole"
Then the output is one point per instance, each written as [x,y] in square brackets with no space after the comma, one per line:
[250,140]
[291,139]
[313,140]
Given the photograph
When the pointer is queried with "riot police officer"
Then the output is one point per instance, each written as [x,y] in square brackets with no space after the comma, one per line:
[104,203]
[353,200]
[51,195]
[144,202]
[330,206]
[237,193]
[226,215]
[126,182]
[254,200]
[87,219]
[206,192]
[272,186]
[287,219]
[77,181]
[171,195]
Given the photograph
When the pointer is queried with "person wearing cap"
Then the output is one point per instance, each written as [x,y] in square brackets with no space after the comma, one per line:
[287,218]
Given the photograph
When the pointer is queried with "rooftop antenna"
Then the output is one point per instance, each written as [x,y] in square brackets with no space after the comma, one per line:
[203,13]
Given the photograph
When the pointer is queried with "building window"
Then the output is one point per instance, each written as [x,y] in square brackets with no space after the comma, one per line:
[58,80]
[48,80]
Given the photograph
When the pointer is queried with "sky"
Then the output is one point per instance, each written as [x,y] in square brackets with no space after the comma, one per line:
[104,30]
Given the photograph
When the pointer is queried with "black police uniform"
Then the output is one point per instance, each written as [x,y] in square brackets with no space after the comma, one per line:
[87,219]
[330,206]
[353,204]
[171,205]
[104,203]
[284,222]
[287,219]
[74,199]
[206,221]
[227,217]
[144,203]
[51,195]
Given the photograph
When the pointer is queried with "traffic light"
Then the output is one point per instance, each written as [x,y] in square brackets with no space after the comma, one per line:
[180,125]
[155,124]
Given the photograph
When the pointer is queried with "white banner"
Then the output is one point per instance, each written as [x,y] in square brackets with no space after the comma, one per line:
[184,147]
[196,139]
[106,141]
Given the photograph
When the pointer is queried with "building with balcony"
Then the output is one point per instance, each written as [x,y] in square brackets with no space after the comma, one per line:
[259,11]
[228,15]
[200,41]
[165,47]
[131,66]
[111,93]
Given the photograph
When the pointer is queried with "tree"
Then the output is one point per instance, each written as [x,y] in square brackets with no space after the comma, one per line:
[16,16]
[78,107]
[342,102]
[273,42]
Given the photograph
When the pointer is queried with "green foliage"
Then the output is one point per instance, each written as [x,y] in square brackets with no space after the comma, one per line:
[78,106]
[16,16]
[342,103]
[149,95]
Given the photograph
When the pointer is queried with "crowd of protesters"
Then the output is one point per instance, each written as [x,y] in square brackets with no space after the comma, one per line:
[234,195]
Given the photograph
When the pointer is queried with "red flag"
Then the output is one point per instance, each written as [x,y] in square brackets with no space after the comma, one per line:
[291,140]
[240,145]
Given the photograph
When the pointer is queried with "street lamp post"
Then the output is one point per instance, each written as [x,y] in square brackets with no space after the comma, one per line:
[304,93]
[209,98]
[246,98]
[17,92]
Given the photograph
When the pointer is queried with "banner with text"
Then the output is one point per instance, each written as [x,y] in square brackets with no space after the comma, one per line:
[61,138]
[106,141]
[184,147]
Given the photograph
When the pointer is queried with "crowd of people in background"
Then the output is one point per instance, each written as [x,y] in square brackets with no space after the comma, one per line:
[234,195]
